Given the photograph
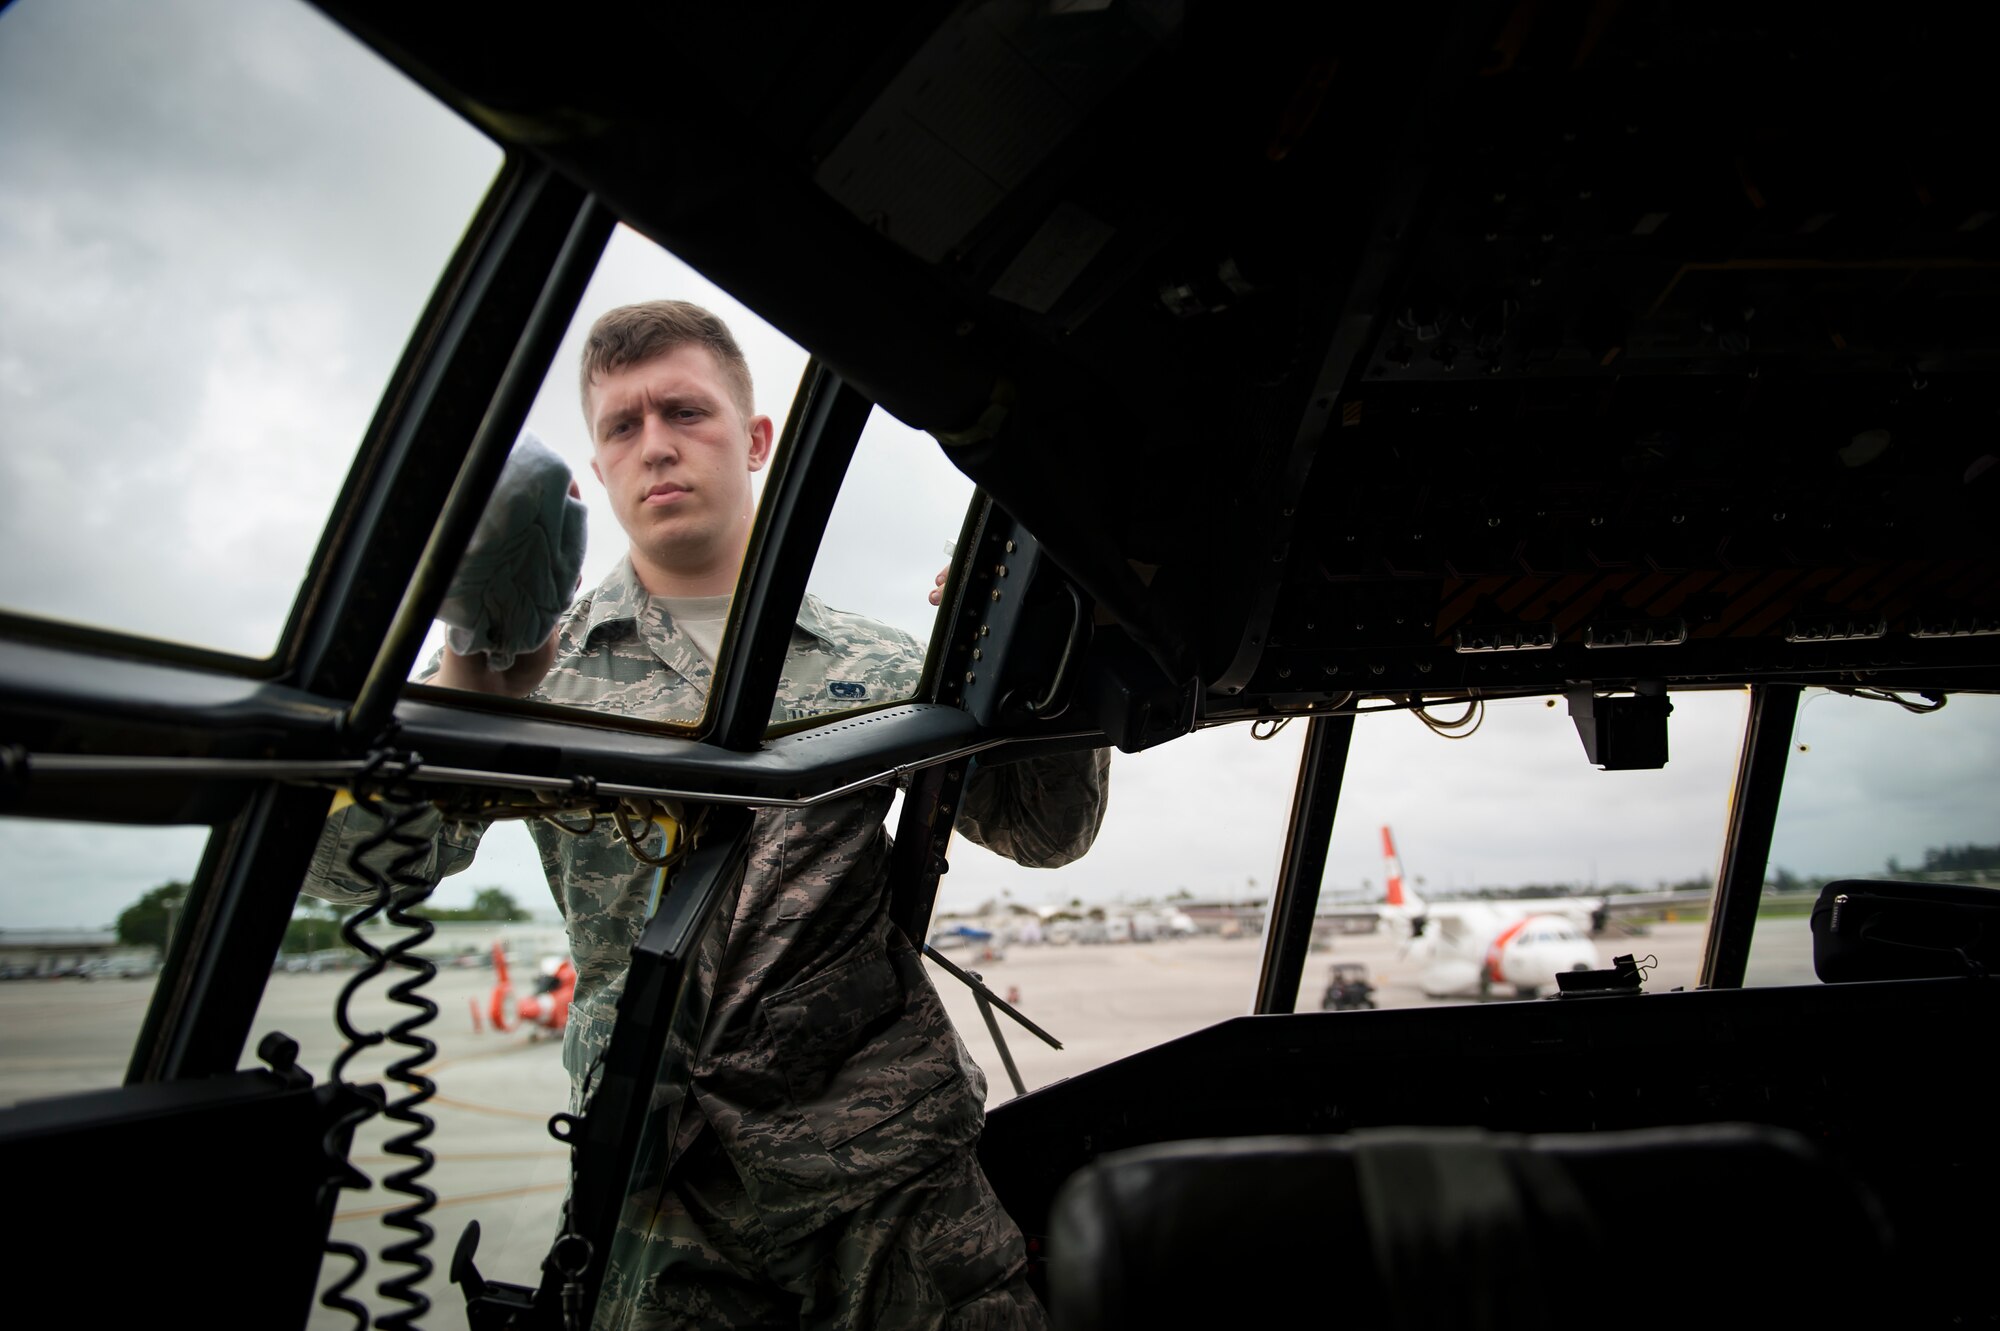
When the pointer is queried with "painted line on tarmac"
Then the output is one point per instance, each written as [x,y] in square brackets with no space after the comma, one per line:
[497,1195]
[1160,960]
[454,1156]
[438,1065]
[497,1111]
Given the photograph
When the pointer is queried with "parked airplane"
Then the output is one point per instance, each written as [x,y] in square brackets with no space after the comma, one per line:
[1478,947]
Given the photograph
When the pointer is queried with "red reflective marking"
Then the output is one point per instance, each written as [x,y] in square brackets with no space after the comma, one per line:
[1506,937]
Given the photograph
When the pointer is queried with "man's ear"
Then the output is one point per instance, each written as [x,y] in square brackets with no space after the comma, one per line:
[596,471]
[760,442]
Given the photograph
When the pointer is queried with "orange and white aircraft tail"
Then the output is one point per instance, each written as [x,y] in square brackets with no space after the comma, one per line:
[1396,894]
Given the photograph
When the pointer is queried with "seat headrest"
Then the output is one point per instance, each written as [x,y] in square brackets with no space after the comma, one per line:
[1405,1228]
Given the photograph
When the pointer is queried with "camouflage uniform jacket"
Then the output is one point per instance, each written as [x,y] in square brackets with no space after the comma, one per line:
[825,1063]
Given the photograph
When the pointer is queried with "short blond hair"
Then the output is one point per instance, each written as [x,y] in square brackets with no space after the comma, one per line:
[634,334]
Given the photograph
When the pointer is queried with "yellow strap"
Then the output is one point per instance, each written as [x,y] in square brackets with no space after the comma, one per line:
[341,799]
[670,829]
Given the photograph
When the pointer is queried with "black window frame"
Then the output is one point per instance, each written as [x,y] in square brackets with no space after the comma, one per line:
[109,727]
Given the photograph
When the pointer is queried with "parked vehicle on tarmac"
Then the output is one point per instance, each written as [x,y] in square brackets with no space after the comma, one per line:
[1347,988]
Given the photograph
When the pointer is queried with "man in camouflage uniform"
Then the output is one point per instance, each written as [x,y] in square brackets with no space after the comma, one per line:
[823,1174]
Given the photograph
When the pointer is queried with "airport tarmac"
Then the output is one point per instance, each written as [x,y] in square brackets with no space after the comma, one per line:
[496,1162]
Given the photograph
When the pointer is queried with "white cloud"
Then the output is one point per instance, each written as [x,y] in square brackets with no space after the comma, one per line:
[1515,803]
[65,875]
[1205,813]
[218,222]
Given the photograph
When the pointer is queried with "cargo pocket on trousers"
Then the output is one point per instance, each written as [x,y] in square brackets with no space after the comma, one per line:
[977,1255]
[856,1051]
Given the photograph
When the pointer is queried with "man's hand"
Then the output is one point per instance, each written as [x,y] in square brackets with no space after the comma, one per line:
[937,591]
[475,673]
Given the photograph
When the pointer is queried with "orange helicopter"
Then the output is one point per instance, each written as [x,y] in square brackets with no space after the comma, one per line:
[545,1011]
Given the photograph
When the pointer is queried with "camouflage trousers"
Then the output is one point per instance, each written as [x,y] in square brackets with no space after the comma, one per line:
[938,1253]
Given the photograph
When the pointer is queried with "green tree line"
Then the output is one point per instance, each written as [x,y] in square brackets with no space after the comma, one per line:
[1956,859]
[149,921]
[1937,861]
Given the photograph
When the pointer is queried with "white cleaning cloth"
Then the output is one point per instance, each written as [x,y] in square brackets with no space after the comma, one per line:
[520,571]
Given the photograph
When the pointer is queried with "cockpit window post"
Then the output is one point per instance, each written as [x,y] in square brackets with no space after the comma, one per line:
[486,455]
[1296,897]
[455,363]
[1746,847]
[463,353]
[613,1142]
[798,499]
[231,928]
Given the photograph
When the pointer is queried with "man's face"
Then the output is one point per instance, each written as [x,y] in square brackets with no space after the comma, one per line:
[675,453]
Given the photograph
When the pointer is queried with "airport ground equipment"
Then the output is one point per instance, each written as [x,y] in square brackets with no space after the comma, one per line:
[1347,988]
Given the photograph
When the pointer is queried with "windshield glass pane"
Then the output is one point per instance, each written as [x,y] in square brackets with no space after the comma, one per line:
[1153,934]
[1873,791]
[86,910]
[651,455]
[891,534]
[219,221]
[578,570]
[1477,868]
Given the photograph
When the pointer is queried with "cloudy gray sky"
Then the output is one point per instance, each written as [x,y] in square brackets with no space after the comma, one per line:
[214,241]
[218,222]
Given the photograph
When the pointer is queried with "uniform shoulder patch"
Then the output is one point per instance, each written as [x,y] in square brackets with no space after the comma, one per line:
[847,689]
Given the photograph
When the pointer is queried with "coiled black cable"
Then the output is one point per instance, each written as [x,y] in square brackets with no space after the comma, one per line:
[340,1132]
[407,885]
[395,889]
